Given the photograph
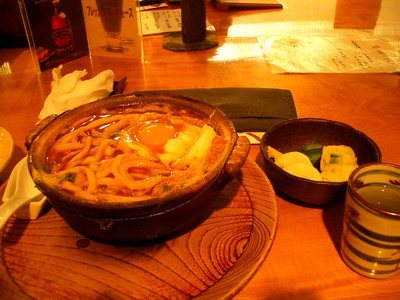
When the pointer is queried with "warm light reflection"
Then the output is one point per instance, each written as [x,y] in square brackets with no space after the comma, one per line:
[388,22]
[5,68]
[315,15]
[235,49]
[316,18]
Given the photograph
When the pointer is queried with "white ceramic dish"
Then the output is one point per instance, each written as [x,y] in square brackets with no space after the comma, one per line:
[6,148]
[21,197]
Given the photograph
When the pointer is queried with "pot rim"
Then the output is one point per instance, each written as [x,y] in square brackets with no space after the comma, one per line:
[48,133]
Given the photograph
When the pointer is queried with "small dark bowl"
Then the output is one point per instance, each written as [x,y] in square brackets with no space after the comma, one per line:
[137,219]
[293,134]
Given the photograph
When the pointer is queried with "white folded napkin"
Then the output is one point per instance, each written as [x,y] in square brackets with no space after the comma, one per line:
[70,91]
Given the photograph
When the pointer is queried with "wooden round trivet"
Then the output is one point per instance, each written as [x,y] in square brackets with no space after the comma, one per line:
[47,259]
[174,42]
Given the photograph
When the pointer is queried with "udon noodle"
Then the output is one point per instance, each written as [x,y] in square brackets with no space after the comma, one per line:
[120,155]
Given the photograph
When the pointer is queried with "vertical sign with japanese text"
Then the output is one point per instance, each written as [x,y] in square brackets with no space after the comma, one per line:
[112,28]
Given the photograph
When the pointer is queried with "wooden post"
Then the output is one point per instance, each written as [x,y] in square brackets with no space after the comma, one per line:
[193,21]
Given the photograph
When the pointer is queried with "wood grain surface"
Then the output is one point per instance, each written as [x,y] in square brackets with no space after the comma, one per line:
[45,258]
[304,261]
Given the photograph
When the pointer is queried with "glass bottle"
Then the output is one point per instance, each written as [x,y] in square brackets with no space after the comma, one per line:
[61,28]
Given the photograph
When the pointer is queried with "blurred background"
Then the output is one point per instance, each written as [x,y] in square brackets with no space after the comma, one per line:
[12,32]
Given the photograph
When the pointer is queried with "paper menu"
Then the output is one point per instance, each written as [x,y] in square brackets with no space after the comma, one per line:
[363,53]
[162,21]
[159,21]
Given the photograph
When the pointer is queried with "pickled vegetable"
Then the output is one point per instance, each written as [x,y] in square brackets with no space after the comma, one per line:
[313,152]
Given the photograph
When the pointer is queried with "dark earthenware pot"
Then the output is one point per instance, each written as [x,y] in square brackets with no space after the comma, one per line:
[137,220]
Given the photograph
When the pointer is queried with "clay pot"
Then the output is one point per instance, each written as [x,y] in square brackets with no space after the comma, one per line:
[145,219]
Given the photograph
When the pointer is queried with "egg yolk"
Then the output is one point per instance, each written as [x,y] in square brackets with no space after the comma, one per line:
[155,135]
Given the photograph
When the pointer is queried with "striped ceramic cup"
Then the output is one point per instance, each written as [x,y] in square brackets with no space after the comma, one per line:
[371,232]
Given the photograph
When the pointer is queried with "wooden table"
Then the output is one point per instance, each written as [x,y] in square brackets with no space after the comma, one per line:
[304,261]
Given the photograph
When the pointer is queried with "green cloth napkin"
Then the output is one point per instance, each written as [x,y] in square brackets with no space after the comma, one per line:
[250,109]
